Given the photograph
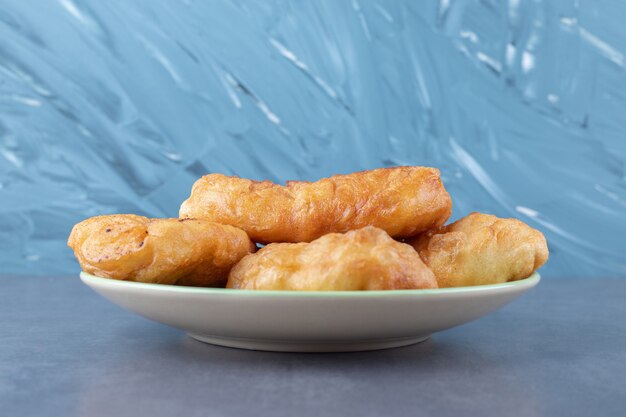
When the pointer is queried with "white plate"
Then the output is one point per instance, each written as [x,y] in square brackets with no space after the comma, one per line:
[321,321]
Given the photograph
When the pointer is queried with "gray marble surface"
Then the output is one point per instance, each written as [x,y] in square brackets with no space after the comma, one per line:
[560,350]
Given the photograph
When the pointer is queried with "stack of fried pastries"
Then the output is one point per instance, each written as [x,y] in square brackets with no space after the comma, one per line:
[373,230]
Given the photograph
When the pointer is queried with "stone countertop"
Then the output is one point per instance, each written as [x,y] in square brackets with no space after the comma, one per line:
[558,350]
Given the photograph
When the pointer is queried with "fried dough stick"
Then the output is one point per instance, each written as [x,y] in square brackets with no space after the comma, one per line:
[403,201]
[163,251]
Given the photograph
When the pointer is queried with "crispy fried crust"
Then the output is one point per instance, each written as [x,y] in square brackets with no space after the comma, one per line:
[163,251]
[364,259]
[482,249]
[403,201]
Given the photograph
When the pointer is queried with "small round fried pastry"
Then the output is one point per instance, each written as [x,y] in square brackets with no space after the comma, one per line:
[364,259]
[482,249]
[403,201]
[162,251]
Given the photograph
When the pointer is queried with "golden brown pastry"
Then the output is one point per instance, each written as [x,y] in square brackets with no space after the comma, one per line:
[482,249]
[163,251]
[364,259]
[403,201]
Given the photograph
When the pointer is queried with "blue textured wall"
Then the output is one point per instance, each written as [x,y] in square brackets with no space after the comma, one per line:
[118,106]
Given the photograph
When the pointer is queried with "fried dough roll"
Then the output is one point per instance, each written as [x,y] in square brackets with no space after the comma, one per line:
[162,251]
[482,249]
[364,259]
[403,201]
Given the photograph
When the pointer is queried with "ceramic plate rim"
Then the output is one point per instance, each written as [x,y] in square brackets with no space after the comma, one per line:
[87,278]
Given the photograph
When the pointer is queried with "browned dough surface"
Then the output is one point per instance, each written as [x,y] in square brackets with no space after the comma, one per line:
[403,201]
[163,251]
[364,259]
[482,249]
